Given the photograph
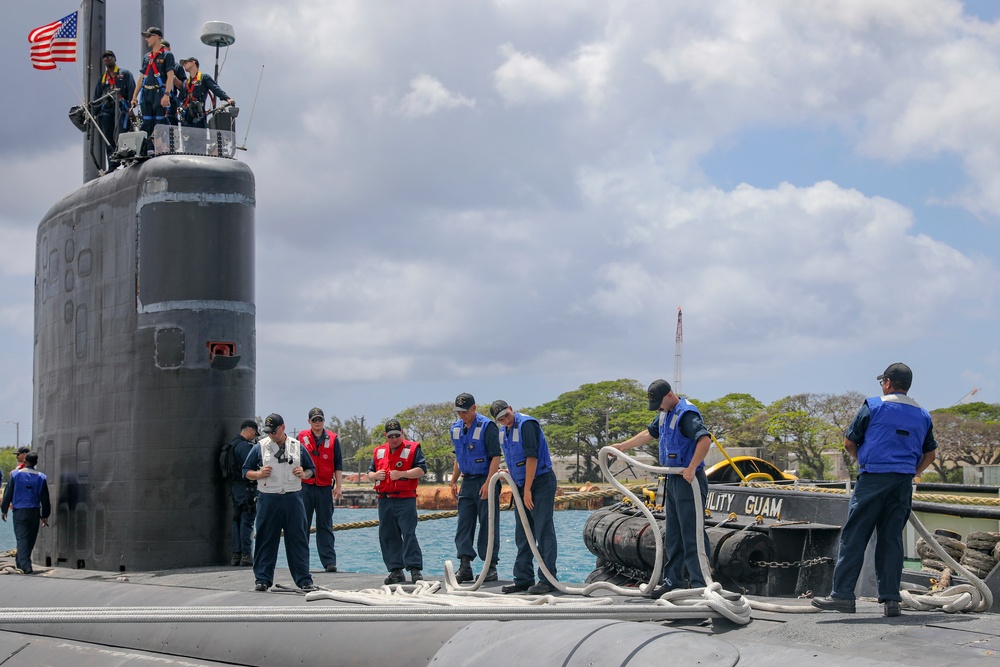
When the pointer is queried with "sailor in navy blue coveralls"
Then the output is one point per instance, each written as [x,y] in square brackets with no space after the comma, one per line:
[156,84]
[892,439]
[477,458]
[683,443]
[526,452]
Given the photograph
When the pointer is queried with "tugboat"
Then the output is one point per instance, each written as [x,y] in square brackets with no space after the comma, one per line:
[772,535]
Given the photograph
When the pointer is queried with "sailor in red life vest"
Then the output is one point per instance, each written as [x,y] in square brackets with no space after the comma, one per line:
[397,465]
[157,82]
[319,492]
[195,91]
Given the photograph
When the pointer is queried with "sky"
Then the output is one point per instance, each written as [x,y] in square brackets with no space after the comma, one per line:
[512,198]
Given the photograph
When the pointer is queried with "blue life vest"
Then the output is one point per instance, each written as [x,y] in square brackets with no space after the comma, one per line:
[676,450]
[894,441]
[27,488]
[513,449]
[470,446]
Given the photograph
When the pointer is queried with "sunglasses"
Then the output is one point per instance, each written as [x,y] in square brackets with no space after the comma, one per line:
[316,419]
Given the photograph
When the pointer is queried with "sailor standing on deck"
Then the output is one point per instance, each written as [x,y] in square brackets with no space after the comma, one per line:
[397,466]
[526,452]
[278,464]
[684,443]
[157,82]
[319,492]
[112,114]
[243,493]
[892,439]
[477,458]
[28,492]
[194,94]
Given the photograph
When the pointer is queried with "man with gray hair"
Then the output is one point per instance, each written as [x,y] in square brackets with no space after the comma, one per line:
[892,439]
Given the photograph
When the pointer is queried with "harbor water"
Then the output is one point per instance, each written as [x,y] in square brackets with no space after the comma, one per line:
[358,550]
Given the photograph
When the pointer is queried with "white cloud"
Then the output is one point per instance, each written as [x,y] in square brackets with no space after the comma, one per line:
[524,78]
[428,96]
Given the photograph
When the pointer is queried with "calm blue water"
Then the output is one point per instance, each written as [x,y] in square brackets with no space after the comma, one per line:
[358,551]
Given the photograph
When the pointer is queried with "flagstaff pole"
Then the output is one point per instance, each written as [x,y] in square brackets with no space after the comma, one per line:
[92,30]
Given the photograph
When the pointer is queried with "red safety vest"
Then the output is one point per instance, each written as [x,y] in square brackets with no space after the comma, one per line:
[401,459]
[322,456]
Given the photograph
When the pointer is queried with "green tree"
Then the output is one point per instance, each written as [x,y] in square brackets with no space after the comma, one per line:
[735,420]
[354,437]
[798,424]
[8,461]
[839,410]
[978,411]
[581,421]
[963,440]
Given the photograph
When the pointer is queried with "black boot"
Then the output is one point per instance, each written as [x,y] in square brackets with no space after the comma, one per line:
[491,574]
[464,571]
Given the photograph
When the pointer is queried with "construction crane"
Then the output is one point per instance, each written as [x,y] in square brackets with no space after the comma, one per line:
[968,397]
[678,343]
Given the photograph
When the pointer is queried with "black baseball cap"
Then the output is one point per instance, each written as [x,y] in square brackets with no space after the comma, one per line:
[193,60]
[316,412]
[655,393]
[109,52]
[900,374]
[152,30]
[249,423]
[498,409]
[272,422]
[23,450]
[463,402]
[393,427]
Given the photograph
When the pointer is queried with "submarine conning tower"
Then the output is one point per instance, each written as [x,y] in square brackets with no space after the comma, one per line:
[144,361]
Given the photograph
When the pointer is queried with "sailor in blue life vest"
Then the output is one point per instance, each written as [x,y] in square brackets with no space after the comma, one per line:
[243,493]
[194,93]
[684,442]
[477,458]
[526,452]
[157,82]
[397,466]
[28,492]
[892,439]
[278,464]
[111,112]
[326,486]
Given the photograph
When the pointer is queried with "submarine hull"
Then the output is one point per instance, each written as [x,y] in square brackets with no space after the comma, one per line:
[144,361]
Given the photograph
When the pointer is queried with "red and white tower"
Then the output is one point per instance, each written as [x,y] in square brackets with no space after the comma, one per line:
[679,342]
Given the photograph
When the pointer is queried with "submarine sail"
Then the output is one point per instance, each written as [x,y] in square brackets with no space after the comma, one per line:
[144,361]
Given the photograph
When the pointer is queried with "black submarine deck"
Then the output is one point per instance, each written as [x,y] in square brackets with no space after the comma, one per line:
[863,639]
